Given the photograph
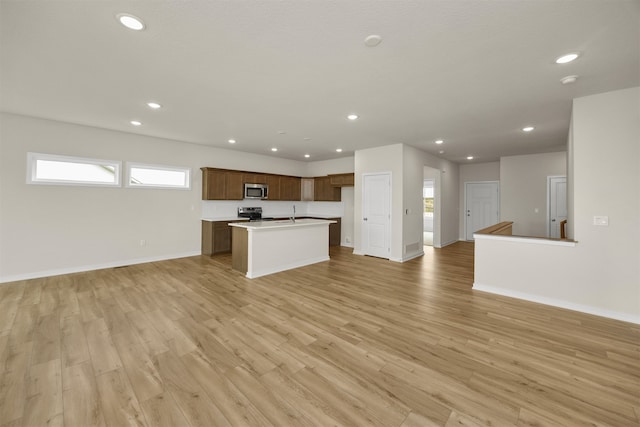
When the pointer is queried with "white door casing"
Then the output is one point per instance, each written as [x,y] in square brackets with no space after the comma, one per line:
[481,206]
[376,214]
[556,204]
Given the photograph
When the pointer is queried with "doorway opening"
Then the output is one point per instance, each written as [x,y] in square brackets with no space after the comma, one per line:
[431,203]
[428,200]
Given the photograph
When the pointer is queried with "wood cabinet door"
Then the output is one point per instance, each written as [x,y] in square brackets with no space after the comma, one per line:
[221,237]
[274,183]
[254,178]
[324,192]
[213,184]
[335,232]
[342,180]
[234,186]
[289,188]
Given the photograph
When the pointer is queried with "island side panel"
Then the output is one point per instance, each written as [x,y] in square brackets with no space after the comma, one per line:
[282,249]
[239,249]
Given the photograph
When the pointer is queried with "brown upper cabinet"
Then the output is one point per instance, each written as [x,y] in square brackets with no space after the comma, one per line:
[342,180]
[323,191]
[275,187]
[289,188]
[224,184]
[220,184]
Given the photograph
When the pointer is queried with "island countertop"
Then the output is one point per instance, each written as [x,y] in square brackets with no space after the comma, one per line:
[284,223]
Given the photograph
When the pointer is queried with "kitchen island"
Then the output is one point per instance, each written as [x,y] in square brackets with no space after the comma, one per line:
[266,247]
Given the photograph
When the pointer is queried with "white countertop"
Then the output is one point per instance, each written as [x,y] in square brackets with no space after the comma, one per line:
[235,218]
[223,219]
[285,223]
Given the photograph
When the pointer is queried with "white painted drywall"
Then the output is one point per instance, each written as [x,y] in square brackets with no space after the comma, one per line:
[46,230]
[378,160]
[523,190]
[447,206]
[474,172]
[601,273]
[327,167]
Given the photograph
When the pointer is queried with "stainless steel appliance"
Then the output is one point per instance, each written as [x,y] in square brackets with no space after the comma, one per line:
[253,213]
[256,191]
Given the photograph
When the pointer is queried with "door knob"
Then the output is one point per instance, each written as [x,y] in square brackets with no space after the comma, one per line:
[553,220]
[364,219]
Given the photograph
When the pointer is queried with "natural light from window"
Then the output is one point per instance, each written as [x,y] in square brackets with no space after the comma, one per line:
[157,176]
[65,170]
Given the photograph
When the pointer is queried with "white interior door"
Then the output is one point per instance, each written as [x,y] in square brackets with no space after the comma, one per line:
[481,206]
[557,204]
[376,214]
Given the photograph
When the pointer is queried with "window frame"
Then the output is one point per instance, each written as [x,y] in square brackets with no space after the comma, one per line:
[32,170]
[130,165]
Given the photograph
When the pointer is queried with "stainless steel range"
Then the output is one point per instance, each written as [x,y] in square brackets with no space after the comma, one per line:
[253,213]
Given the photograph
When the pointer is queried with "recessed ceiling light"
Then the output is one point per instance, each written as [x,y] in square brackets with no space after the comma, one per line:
[232,141]
[439,141]
[307,139]
[307,155]
[281,132]
[469,157]
[568,80]
[274,149]
[352,117]
[567,58]
[528,129]
[154,105]
[135,123]
[373,40]
[441,151]
[130,21]
[339,150]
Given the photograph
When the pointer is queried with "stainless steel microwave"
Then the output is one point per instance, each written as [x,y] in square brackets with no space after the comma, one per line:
[256,191]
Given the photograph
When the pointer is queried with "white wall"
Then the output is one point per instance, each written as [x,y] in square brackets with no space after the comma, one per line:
[523,190]
[46,230]
[600,274]
[474,172]
[376,160]
[406,165]
[327,167]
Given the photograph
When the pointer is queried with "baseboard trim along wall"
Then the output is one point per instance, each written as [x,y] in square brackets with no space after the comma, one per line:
[83,268]
[559,303]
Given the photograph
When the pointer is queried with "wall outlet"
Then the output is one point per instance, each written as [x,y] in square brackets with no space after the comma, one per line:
[143,242]
[601,220]
[347,239]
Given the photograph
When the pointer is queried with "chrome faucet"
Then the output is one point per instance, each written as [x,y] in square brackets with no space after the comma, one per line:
[293,218]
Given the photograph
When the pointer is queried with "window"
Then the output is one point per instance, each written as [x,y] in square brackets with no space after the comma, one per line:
[66,170]
[427,197]
[155,176]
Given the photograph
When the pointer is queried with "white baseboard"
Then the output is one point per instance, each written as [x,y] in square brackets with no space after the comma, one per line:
[83,268]
[450,242]
[408,257]
[625,317]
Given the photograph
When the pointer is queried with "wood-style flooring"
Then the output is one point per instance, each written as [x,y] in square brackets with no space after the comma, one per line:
[356,341]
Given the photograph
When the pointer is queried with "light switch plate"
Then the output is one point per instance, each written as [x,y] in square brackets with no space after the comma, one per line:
[601,220]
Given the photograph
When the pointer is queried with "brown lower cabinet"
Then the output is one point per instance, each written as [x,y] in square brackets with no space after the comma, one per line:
[335,234]
[216,237]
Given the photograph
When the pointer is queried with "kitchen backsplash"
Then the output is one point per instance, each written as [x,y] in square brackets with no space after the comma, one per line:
[229,209]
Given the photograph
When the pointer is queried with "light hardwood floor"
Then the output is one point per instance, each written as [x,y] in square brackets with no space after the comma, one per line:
[355,341]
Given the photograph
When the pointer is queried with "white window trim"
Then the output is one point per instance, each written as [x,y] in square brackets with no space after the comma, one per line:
[130,165]
[32,159]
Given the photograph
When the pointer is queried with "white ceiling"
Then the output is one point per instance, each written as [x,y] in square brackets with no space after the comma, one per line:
[470,72]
